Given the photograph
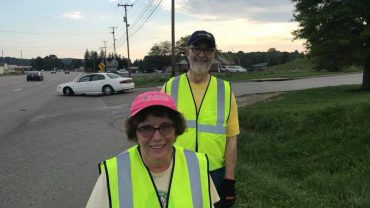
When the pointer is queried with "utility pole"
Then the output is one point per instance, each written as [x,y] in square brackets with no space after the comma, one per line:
[105,56]
[128,45]
[21,62]
[114,41]
[173,37]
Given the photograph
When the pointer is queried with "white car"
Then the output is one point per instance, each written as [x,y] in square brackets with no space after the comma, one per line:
[231,69]
[96,83]
[239,69]
[122,71]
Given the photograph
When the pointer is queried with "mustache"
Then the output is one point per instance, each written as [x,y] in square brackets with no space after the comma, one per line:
[203,59]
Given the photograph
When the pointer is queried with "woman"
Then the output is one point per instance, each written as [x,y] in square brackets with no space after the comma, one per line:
[154,173]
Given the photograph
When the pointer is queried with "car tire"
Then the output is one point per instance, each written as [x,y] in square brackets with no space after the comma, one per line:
[68,91]
[107,90]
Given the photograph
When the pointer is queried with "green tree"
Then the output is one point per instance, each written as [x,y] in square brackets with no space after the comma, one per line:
[155,50]
[181,45]
[94,60]
[87,59]
[137,62]
[337,33]
[273,57]
[151,63]
[76,63]
[158,58]
[284,58]
[161,49]
[52,61]
[122,62]
[37,63]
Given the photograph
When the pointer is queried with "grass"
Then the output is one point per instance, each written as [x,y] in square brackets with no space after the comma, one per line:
[151,80]
[295,69]
[159,80]
[295,65]
[271,74]
[307,148]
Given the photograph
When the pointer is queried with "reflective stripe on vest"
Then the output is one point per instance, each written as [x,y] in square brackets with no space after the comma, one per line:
[124,180]
[194,174]
[196,166]
[219,128]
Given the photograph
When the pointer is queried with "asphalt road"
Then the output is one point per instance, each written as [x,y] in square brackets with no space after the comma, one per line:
[243,88]
[51,144]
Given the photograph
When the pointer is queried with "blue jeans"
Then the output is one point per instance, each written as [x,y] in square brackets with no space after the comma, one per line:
[218,177]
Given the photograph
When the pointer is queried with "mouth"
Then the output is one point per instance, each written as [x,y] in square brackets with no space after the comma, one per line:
[158,147]
[201,60]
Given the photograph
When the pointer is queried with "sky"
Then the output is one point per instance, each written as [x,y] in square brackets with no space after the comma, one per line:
[66,28]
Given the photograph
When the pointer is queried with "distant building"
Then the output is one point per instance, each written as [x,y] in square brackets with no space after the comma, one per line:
[3,68]
[15,69]
[134,69]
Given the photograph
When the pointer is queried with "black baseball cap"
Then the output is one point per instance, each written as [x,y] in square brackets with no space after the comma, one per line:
[202,35]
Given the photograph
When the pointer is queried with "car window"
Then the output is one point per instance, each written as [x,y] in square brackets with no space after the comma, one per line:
[97,77]
[84,78]
[113,76]
[32,72]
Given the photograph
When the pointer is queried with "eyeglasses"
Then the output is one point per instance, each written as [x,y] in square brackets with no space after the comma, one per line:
[148,131]
[206,51]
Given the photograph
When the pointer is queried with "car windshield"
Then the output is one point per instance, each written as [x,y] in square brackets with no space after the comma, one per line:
[76,79]
[113,76]
[33,72]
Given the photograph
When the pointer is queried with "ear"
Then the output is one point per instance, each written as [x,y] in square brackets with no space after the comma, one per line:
[187,52]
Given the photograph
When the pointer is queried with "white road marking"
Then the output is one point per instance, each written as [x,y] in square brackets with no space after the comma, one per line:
[18,90]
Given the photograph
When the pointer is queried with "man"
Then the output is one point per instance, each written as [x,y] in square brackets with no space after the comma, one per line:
[210,111]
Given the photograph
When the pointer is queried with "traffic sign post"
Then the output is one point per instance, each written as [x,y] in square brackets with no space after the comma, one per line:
[101,67]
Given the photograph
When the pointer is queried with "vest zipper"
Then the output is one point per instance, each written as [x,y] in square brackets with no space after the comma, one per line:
[196,110]
[151,178]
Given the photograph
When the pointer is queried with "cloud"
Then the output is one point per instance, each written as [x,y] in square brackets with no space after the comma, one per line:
[73,15]
[223,10]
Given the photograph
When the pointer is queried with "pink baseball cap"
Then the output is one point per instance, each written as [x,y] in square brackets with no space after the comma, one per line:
[152,98]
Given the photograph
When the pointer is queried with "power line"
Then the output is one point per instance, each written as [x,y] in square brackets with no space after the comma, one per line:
[142,13]
[144,16]
[147,18]
[121,40]
[141,19]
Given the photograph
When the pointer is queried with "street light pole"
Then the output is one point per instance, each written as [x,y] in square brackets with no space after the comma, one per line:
[173,37]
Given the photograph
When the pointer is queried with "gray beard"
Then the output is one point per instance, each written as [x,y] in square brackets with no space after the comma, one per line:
[200,69]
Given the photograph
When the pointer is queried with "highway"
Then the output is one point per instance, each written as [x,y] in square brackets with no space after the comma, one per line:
[51,144]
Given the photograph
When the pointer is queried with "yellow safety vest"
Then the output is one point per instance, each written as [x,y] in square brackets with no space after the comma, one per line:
[207,128]
[130,184]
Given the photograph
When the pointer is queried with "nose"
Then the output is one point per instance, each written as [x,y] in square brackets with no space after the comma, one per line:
[157,134]
[201,53]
